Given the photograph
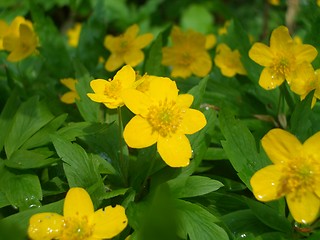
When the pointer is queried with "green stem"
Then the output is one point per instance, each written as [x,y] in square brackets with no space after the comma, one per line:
[287,96]
[122,161]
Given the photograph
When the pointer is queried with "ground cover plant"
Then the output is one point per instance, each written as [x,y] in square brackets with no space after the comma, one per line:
[157,119]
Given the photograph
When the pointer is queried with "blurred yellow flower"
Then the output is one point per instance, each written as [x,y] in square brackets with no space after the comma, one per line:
[79,221]
[211,41]
[306,80]
[71,96]
[295,174]
[19,39]
[126,48]
[282,59]
[162,117]
[3,29]
[274,2]
[228,61]
[188,54]
[110,92]
[74,35]
[224,29]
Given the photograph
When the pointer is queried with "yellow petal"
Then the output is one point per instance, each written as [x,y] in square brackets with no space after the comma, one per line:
[69,97]
[280,145]
[109,222]
[304,207]
[45,226]
[133,57]
[69,83]
[136,101]
[305,52]
[98,97]
[202,65]
[110,43]
[77,203]
[131,32]
[185,100]
[126,75]
[138,133]
[175,150]
[163,89]
[193,121]
[114,62]
[261,54]
[303,81]
[143,40]
[181,71]
[281,40]
[312,145]
[269,80]
[99,85]
[211,40]
[265,183]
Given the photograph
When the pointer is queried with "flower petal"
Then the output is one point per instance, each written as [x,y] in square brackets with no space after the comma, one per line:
[185,100]
[305,52]
[281,40]
[73,207]
[133,57]
[175,150]
[193,121]
[181,71]
[280,145]
[143,40]
[126,75]
[98,97]
[304,207]
[69,97]
[109,222]
[114,62]
[312,145]
[261,54]
[131,32]
[69,83]
[270,81]
[201,66]
[163,89]
[138,133]
[99,85]
[45,226]
[265,183]
[136,101]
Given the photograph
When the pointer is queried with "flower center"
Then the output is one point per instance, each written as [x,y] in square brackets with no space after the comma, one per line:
[113,89]
[165,118]
[186,59]
[300,176]
[281,67]
[77,228]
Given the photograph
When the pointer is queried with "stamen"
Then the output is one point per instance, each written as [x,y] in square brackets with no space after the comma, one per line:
[77,228]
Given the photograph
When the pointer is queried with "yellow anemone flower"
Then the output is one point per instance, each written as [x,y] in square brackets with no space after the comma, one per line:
[274,2]
[71,96]
[20,39]
[282,59]
[188,54]
[74,35]
[162,117]
[295,174]
[126,48]
[110,92]
[306,80]
[79,221]
[228,61]
[211,41]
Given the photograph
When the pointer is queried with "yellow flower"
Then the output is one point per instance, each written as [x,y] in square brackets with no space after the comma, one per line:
[110,92]
[71,96]
[295,174]
[20,39]
[318,3]
[74,35]
[126,48]
[188,55]
[3,29]
[274,2]
[162,117]
[228,61]
[224,29]
[306,80]
[282,59]
[211,41]
[79,221]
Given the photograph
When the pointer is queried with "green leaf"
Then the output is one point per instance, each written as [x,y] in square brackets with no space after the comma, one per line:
[23,190]
[29,118]
[28,159]
[153,60]
[192,186]
[42,137]
[89,110]
[79,167]
[241,147]
[3,200]
[198,92]
[114,193]
[7,115]
[197,223]
[300,119]
[270,216]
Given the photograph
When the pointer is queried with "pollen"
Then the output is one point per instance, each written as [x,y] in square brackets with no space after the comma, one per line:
[113,89]
[300,176]
[77,228]
[165,118]
[282,66]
